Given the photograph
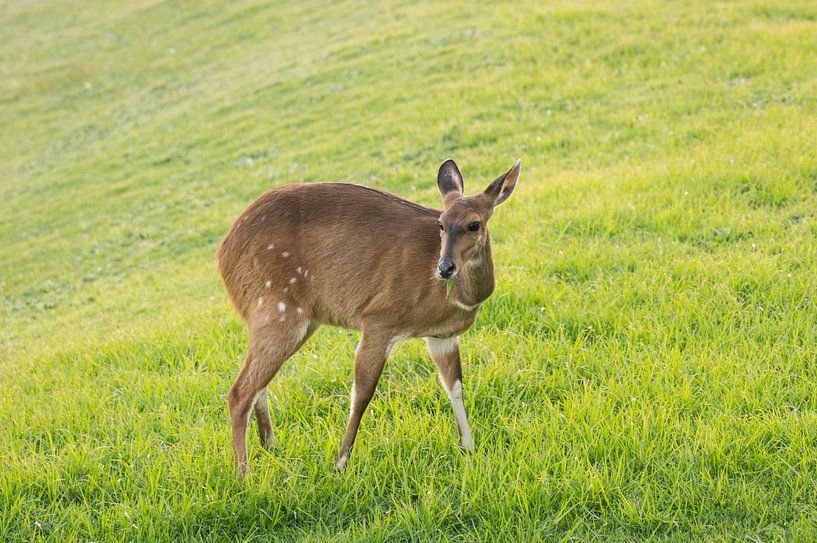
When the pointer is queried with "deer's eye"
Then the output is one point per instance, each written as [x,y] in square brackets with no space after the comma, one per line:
[474,226]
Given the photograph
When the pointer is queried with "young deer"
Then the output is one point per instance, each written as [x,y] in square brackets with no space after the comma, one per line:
[345,255]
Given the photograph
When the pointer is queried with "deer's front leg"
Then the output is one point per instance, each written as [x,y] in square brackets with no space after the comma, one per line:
[446,355]
[370,357]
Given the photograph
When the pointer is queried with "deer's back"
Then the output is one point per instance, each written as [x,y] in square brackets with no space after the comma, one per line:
[335,251]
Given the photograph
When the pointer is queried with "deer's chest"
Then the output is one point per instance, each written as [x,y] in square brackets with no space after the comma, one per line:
[454,324]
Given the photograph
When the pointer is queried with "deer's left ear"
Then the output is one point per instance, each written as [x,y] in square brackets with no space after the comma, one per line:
[502,187]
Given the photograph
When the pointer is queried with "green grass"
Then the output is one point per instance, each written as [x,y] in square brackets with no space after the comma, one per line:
[646,368]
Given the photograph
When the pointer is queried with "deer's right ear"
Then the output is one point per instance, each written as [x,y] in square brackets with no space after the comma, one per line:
[449,179]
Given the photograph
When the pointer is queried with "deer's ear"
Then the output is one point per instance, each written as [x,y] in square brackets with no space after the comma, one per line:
[502,187]
[449,179]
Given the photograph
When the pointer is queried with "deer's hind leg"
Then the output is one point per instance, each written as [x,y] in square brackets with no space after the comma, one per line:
[263,420]
[271,343]
[261,407]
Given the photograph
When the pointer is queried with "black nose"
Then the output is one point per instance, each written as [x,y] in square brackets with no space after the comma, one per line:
[446,268]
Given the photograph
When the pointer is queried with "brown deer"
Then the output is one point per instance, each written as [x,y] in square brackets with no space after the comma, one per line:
[345,255]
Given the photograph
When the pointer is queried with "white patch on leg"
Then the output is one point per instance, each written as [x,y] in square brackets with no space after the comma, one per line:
[269,441]
[341,462]
[459,412]
[439,348]
[352,394]
[260,392]
[352,400]
[259,396]
[252,405]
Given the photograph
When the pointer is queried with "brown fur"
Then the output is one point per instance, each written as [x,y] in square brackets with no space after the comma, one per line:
[340,254]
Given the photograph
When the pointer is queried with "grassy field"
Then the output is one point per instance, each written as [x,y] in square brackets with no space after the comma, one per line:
[645,369]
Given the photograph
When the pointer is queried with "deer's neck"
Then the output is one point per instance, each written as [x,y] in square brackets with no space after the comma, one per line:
[475,283]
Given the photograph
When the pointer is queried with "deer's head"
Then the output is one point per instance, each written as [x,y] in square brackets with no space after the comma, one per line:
[464,222]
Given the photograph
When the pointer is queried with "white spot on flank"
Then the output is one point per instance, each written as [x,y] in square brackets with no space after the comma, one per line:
[298,269]
[439,348]
[286,289]
[282,307]
[285,254]
[268,284]
[270,247]
[306,273]
[299,310]
[260,300]
[291,280]
[283,318]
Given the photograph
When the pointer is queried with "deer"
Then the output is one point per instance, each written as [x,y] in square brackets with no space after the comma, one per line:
[304,255]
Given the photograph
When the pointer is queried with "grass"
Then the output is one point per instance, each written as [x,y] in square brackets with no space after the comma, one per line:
[644,370]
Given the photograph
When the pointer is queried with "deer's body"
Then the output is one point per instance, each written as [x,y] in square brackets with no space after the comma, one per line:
[337,254]
[350,256]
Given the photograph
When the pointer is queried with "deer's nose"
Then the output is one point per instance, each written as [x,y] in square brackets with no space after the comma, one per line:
[446,268]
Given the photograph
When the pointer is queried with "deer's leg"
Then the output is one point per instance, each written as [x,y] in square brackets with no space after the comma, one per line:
[370,357]
[261,407]
[446,355]
[264,421]
[270,346]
